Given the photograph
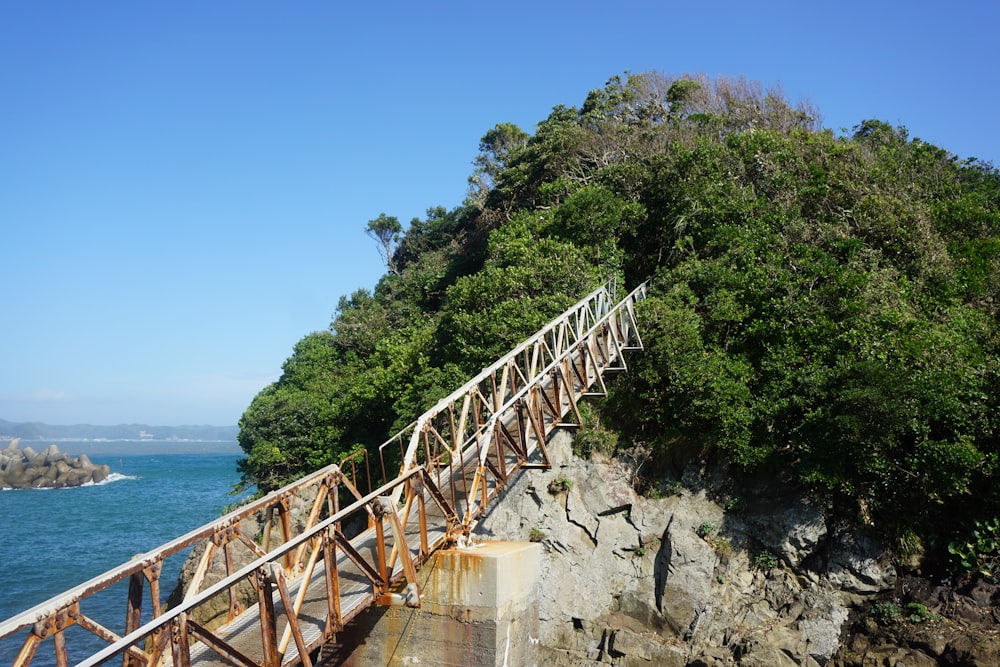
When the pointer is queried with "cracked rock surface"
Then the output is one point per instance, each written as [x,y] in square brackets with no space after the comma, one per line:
[680,581]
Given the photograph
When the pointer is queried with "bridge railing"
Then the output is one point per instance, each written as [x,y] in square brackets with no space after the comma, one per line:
[458,456]
[170,636]
[269,529]
[503,416]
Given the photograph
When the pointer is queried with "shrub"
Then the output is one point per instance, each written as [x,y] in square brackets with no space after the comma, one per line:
[706,529]
[918,613]
[765,560]
[657,490]
[593,439]
[978,553]
[885,613]
[630,461]
[722,547]
[560,485]
[736,505]
[672,488]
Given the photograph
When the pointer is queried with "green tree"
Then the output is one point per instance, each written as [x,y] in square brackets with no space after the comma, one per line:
[289,426]
[385,230]
[494,149]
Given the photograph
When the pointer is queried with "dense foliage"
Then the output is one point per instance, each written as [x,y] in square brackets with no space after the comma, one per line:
[824,307]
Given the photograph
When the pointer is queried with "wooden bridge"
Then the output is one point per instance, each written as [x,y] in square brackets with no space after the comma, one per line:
[319,551]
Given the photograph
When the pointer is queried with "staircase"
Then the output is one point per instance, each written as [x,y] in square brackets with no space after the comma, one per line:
[335,542]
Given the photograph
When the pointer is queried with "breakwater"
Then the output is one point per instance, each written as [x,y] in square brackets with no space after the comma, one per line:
[49,469]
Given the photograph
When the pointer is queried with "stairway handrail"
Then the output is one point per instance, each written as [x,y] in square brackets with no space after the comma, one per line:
[605,306]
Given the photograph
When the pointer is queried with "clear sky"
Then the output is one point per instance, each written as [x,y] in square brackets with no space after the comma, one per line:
[184,185]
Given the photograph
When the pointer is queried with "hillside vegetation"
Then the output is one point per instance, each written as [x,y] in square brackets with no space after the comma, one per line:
[824,308]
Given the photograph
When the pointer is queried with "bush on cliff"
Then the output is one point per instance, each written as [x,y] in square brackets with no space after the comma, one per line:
[823,306]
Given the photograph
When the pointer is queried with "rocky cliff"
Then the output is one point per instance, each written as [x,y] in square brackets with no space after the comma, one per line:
[683,580]
[725,572]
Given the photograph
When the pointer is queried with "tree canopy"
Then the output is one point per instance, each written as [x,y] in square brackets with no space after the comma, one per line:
[824,307]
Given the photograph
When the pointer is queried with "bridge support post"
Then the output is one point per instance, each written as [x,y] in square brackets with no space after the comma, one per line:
[479,608]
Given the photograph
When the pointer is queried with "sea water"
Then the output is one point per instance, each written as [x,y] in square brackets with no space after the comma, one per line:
[52,540]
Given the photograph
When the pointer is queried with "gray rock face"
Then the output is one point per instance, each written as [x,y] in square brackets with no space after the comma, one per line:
[28,469]
[677,581]
[790,528]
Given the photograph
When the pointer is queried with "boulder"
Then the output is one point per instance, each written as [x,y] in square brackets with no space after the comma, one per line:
[790,528]
[15,467]
[852,562]
[821,625]
[78,477]
[53,455]
[685,567]
[26,468]
[762,653]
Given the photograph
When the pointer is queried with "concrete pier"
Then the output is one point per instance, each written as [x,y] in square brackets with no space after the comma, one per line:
[479,608]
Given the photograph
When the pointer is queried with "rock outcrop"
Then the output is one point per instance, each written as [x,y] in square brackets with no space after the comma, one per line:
[696,578]
[918,622]
[50,469]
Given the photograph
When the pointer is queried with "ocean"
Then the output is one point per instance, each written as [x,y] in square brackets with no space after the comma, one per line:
[53,540]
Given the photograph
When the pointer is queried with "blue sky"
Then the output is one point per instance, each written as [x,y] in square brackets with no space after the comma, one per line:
[184,185]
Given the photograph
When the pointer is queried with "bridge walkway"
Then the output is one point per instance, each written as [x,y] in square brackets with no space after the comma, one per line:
[355,586]
[311,578]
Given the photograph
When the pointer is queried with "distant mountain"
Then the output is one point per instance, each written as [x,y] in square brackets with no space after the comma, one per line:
[39,431]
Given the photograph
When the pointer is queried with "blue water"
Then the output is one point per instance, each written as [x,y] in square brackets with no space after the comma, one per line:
[53,540]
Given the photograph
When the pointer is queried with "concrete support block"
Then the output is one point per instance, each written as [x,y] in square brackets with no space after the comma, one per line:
[479,608]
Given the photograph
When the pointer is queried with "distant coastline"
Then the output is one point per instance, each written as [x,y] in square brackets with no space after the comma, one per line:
[37,431]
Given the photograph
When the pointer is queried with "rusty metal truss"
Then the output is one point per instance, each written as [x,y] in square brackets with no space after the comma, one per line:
[291,568]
